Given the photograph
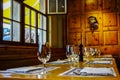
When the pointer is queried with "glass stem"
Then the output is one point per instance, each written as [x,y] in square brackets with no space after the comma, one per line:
[44,70]
[44,65]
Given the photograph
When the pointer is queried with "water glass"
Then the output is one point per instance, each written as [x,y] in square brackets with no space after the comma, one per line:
[44,54]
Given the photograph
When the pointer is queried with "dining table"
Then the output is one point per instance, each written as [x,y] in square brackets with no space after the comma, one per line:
[99,68]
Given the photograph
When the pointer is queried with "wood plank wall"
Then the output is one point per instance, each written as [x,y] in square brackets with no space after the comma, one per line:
[16,56]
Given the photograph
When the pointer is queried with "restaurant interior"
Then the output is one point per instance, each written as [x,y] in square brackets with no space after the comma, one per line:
[28,27]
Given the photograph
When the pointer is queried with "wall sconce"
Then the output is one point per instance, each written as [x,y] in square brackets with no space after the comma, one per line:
[93,23]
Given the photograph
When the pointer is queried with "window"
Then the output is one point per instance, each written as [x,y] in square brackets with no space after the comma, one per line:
[11,20]
[35,23]
[43,6]
[33,3]
[42,30]
[30,25]
[57,6]
[25,26]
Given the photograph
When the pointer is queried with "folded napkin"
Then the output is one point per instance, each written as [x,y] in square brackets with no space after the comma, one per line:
[101,62]
[107,59]
[24,69]
[59,62]
[98,71]
[30,70]
[89,71]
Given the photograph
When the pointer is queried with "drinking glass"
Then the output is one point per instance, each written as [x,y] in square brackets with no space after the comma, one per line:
[89,53]
[70,54]
[44,54]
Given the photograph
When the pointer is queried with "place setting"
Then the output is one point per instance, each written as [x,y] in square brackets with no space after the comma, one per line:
[89,72]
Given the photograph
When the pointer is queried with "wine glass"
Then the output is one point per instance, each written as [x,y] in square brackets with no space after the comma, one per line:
[70,54]
[44,54]
[89,53]
[69,51]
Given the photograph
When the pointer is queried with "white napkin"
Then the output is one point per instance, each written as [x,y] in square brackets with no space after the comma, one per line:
[59,62]
[98,71]
[24,69]
[101,62]
[107,59]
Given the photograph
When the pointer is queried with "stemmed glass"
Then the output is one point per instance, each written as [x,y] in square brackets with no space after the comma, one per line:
[89,53]
[44,54]
[70,54]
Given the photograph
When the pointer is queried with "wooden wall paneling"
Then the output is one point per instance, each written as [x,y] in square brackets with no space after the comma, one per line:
[109,5]
[17,53]
[72,38]
[110,19]
[74,6]
[91,5]
[16,56]
[18,63]
[57,25]
[75,38]
[25,56]
[76,30]
[111,38]
[83,29]
[107,13]
[79,38]
[113,50]
[58,53]
[54,30]
[92,39]
[74,26]
[74,21]
[118,29]
[118,5]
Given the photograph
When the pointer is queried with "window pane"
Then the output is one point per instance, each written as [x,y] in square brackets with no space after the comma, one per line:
[39,36]
[16,31]
[7,31]
[33,3]
[61,5]
[39,21]
[7,8]
[27,34]
[33,18]
[42,6]
[16,11]
[52,6]
[33,35]
[44,23]
[27,15]
[44,37]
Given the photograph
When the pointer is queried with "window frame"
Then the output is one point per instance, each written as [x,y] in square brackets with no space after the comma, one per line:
[11,21]
[57,6]
[22,25]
